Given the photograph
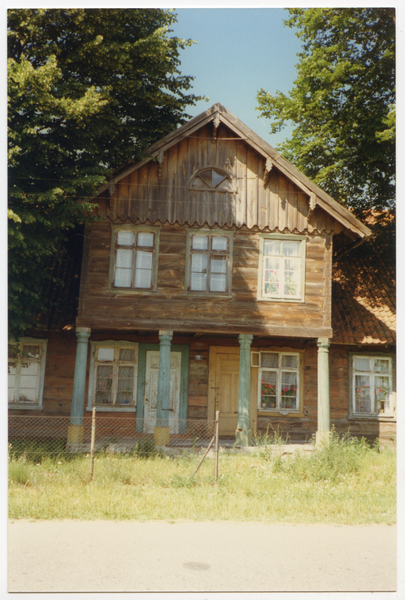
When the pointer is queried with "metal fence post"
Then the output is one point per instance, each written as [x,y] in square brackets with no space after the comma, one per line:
[216,445]
[93,439]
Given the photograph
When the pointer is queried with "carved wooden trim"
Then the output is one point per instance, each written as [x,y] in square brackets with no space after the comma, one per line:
[312,205]
[160,158]
[267,168]
[216,123]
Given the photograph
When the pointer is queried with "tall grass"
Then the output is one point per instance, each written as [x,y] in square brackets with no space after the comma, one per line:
[345,482]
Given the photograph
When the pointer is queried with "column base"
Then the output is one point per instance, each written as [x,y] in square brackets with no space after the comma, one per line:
[162,436]
[322,437]
[75,434]
[243,437]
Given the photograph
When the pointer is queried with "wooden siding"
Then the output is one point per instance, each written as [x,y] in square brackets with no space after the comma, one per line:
[275,203]
[59,375]
[171,307]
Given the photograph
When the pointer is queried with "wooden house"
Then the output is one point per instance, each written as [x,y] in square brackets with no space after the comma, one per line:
[206,285]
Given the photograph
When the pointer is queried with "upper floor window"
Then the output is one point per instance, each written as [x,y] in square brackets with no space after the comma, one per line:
[372,385]
[209,262]
[279,380]
[134,257]
[212,179]
[26,370]
[113,375]
[282,267]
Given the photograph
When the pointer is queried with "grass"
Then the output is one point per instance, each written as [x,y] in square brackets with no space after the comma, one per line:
[347,482]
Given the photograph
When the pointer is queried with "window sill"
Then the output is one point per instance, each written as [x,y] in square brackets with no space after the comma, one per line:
[217,296]
[112,408]
[293,300]
[268,412]
[131,291]
[363,417]
[24,407]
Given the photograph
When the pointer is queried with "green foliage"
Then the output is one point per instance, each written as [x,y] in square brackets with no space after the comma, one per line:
[342,104]
[295,489]
[88,91]
[145,449]
[36,451]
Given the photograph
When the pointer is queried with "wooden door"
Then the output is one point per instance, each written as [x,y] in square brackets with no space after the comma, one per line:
[224,384]
[151,390]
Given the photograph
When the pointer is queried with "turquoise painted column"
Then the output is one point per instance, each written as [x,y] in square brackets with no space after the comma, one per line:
[243,431]
[162,409]
[323,431]
[75,429]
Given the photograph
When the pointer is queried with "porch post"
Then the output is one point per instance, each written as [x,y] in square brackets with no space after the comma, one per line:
[323,431]
[162,429]
[75,429]
[243,431]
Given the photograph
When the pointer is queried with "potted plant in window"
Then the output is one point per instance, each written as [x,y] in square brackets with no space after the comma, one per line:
[289,395]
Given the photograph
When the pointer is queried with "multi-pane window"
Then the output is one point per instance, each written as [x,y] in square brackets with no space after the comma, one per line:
[135,259]
[281,269]
[372,385]
[115,372]
[26,364]
[209,266]
[278,380]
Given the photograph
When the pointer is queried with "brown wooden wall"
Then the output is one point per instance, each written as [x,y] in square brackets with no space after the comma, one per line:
[60,372]
[171,308]
[275,203]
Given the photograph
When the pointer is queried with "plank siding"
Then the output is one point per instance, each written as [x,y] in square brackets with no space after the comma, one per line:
[59,376]
[172,305]
[277,204]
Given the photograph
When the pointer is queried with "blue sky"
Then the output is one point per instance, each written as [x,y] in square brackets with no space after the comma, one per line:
[238,52]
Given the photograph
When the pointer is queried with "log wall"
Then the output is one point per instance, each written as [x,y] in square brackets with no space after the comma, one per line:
[60,372]
[171,307]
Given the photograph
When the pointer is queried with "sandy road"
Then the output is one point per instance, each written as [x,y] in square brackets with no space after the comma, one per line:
[128,556]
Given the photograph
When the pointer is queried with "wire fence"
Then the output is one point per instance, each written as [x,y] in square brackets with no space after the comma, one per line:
[34,435]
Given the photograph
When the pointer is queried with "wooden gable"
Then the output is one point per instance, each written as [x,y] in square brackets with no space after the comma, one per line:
[264,190]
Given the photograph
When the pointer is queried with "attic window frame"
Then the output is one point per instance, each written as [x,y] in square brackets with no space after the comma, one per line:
[210,188]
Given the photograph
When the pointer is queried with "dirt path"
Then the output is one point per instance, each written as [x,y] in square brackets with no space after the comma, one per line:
[128,556]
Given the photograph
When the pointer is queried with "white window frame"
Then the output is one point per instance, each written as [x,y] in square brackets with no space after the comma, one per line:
[228,254]
[380,409]
[256,361]
[281,297]
[117,345]
[135,229]
[27,405]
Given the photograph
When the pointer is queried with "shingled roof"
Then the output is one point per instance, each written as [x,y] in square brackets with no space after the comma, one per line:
[363,295]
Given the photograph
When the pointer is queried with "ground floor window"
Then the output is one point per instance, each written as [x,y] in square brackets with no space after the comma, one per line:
[113,370]
[278,374]
[26,370]
[372,385]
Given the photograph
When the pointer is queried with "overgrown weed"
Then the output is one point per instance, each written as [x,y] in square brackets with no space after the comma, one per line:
[346,482]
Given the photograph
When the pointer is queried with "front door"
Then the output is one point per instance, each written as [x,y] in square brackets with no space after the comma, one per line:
[224,384]
[151,391]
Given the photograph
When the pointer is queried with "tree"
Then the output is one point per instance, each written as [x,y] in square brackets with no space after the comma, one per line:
[88,91]
[342,105]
